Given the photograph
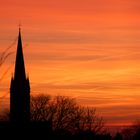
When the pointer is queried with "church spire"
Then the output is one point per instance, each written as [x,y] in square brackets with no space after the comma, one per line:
[19,89]
[19,64]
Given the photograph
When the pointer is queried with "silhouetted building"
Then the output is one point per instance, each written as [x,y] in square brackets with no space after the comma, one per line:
[19,89]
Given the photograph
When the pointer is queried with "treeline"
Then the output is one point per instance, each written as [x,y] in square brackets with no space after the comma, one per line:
[61,118]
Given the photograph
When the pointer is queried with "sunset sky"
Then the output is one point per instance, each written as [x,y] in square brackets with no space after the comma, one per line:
[86,49]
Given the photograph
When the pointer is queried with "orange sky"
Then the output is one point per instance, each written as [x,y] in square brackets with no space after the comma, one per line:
[88,49]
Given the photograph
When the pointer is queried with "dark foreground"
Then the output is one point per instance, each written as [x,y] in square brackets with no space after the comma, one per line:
[42,131]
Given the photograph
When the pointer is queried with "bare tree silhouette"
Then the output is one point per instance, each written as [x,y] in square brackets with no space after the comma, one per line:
[40,108]
[3,56]
[65,114]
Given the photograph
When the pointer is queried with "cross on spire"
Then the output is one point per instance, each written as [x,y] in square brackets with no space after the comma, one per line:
[19,26]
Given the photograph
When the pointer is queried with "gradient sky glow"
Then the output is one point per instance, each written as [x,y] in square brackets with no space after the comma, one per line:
[87,49]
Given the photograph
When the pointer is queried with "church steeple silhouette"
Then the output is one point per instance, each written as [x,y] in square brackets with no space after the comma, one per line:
[19,89]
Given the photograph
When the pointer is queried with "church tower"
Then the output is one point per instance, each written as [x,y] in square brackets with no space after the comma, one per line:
[19,89]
